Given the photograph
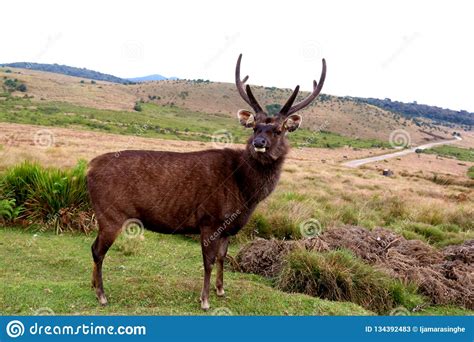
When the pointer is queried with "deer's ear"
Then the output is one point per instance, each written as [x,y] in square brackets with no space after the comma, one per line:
[246,118]
[292,122]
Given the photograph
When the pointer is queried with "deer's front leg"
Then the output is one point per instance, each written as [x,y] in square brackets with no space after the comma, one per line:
[221,253]
[209,252]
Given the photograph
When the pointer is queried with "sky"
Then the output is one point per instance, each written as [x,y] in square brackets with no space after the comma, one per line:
[404,50]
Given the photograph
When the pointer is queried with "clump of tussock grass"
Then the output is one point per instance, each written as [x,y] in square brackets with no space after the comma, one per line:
[445,278]
[55,198]
[278,225]
[431,234]
[339,275]
[437,235]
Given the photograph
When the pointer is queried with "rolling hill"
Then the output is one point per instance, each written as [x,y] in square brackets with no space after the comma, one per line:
[68,70]
[342,115]
[416,110]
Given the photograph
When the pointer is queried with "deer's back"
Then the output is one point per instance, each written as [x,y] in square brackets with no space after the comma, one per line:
[170,192]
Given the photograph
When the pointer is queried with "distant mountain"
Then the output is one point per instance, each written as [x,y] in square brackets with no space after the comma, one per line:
[415,110]
[68,70]
[155,77]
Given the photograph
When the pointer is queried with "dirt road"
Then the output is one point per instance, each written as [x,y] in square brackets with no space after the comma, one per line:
[359,162]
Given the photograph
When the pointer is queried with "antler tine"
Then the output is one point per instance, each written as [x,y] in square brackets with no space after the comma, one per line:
[246,93]
[284,110]
[253,101]
[316,90]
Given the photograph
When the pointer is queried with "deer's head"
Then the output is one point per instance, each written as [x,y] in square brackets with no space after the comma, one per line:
[269,139]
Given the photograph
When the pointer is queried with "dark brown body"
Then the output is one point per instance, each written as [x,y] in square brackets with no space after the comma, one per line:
[179,193]
[211,193]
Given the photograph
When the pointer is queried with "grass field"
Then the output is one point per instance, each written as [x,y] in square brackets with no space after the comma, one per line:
[449,151]
[340,115]
[166,122]
[160,274]
[156,275]
[428,199]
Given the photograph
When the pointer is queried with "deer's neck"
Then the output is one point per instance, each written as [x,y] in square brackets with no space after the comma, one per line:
[259,176]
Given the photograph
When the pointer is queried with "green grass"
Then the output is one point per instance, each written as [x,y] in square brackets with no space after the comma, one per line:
[470,172]
[339,275]
[162,275]
[166,122]
[159,275]
[58,200]
[54,197]
[285,212]
[449,151]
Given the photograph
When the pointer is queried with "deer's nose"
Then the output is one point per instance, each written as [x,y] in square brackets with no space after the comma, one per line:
[259,142]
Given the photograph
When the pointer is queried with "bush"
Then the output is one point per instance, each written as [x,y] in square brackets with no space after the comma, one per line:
[22,87]
[138,107]
[339,275]
[8,210]
[273,109]
[14,84]
[55,198]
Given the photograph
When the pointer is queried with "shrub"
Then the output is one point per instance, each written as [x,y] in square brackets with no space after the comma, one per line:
[273,109]
[53,197]
[339,275]
[14,84]
[137,107]
[22,87]
[8,210]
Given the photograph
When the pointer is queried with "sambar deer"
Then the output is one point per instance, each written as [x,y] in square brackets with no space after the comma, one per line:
[211,192]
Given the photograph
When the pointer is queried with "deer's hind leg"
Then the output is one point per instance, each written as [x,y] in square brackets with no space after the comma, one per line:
[105,239]
[221,254]
[209,247]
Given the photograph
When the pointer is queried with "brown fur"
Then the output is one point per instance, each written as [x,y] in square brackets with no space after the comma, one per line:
[211,193]
[180,193]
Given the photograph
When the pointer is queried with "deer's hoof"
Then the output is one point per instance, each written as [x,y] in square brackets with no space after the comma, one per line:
[220,292]
[205,305]
[102,300]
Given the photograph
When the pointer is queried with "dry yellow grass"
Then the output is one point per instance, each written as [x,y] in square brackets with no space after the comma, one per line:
[345,117]
[63,88]
[70,145]
[313,183]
